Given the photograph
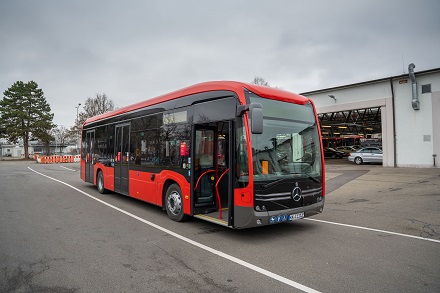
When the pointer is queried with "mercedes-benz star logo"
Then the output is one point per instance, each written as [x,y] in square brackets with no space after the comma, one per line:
[296,194]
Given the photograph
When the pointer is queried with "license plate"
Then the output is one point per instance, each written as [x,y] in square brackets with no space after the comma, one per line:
[296,216]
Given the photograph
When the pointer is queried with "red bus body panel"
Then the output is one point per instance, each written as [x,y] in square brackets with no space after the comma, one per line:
[322,149]
[141,187]
[83,170]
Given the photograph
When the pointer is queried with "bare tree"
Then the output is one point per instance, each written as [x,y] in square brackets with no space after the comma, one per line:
[62,136]
[260,81]
[100,104]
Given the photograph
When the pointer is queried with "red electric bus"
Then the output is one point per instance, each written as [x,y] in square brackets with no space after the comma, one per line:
[236,154]
[343,140]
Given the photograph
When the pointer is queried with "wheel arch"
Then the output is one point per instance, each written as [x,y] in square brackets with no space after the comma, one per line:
[99,169]
[166,185]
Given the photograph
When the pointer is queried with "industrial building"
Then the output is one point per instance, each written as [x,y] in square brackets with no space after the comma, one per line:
[400,113]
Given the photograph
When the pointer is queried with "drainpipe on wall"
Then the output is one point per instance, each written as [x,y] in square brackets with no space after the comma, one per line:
[394,122]
[415,97]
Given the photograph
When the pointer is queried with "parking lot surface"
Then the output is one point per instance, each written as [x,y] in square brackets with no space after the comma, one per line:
[379,232]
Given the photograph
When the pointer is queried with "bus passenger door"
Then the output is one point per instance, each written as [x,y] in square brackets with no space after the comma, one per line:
[90,151]
[211,180]
[205,172]
[122,157]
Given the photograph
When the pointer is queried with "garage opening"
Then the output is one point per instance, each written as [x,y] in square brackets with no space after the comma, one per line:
[361,127]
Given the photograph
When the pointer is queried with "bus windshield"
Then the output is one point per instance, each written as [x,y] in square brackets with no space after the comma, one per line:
[289,145]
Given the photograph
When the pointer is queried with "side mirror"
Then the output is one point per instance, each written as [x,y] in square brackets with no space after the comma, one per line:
[255,116]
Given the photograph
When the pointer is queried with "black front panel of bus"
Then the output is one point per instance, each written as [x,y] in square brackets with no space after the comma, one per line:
[288,194]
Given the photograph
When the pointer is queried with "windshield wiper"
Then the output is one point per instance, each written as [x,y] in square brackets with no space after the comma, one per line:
[270,184]
[313,178]
[267,185]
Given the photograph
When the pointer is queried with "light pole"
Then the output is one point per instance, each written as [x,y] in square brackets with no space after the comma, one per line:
[77,125]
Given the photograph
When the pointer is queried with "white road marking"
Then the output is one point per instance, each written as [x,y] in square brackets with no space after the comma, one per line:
[199,245]
[68,168]
[374,230]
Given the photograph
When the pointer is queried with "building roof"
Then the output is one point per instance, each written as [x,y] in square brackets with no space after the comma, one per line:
[406,75]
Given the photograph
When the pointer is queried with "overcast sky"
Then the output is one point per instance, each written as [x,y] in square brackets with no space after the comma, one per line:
[135,50]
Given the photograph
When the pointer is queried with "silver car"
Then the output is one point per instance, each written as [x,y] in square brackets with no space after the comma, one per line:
[366,155]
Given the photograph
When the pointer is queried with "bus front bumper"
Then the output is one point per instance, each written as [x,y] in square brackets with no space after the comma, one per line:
[246,217]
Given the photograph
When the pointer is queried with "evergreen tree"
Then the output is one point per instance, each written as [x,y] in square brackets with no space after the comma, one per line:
[24,111]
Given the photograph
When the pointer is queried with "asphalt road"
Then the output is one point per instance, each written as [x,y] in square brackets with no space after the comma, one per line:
[63,236]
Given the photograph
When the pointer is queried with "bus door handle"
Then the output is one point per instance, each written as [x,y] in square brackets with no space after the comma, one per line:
[217,194]
[152,177]
[200,177]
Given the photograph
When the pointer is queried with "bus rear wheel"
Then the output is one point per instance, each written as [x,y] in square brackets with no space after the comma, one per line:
[174,203]
[100,182]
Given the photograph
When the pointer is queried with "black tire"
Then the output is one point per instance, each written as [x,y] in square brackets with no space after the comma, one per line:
[174,203]
[100,183]
[358,160]
[334,156]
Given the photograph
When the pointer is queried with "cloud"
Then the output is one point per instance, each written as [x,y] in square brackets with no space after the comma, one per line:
[140,49]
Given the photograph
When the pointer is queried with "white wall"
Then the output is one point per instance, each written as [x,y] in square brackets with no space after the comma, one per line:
[436,126]
[352,94]
[415,128]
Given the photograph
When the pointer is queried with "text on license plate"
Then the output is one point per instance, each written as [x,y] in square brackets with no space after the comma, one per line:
[296,216]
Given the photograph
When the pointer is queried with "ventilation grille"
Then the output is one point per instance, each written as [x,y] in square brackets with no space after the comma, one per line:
[426,88]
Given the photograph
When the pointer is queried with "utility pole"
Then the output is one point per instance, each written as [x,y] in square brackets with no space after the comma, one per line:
[77,125]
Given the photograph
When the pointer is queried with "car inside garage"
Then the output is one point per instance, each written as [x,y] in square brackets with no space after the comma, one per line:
[352,130]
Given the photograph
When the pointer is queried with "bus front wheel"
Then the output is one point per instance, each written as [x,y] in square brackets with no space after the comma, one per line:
[174,203]
[100,182]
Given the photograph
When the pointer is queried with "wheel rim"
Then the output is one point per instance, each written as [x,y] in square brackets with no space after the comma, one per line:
[358,160]
[174,203]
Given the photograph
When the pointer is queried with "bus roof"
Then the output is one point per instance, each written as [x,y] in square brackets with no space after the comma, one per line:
[263,91]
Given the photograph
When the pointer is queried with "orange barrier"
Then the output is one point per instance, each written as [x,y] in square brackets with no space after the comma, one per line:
[58,159]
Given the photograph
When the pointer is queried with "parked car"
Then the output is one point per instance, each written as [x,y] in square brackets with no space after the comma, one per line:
[366,155]
[332,153]
[347,149]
